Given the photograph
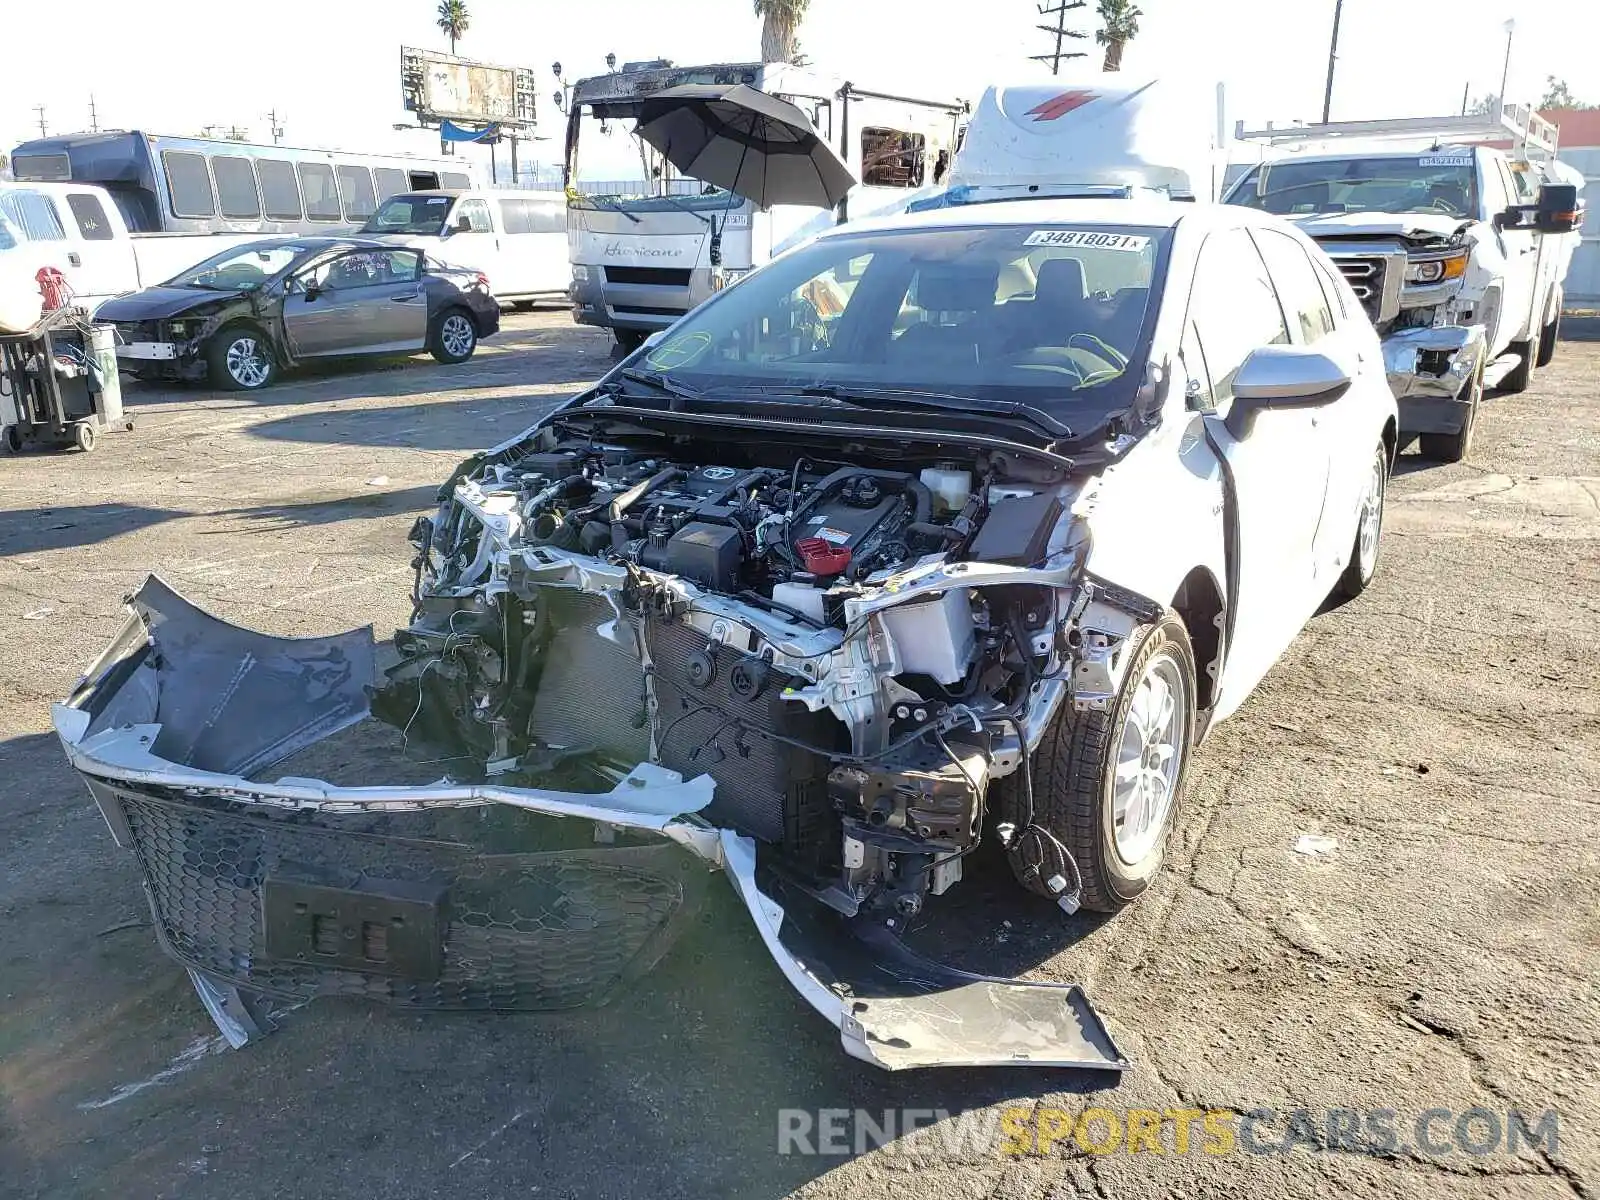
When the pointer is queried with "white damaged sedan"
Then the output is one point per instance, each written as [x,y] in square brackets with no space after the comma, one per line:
[957,525]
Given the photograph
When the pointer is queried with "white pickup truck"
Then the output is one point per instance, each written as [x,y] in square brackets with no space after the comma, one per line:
[1455,248]
[77,229]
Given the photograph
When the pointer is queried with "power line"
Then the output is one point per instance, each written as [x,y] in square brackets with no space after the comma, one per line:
[1060,31]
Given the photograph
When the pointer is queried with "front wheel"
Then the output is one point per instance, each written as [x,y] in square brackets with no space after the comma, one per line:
[1519,378]
[1364,554]
[1454,447]
[455,337]
[1107,783]
[240,360]
[1547,341]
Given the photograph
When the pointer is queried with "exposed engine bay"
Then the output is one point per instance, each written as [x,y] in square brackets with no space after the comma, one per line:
[855,652]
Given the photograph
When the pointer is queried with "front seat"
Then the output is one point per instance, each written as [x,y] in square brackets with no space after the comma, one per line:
[954,297]
[1060,307]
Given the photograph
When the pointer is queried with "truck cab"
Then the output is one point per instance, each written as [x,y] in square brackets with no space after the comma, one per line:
[1453,246]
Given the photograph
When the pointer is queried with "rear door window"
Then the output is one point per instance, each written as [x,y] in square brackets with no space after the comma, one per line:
[1304,303]
[279,190]
[321,196]
[189,184]
[236,187]
[355,184]
[90,215]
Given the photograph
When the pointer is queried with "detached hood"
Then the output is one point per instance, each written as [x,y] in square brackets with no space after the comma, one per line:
[153,304]
[1416,226]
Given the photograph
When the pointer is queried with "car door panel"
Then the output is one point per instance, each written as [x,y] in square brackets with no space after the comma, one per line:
[1276,468]
[357,305]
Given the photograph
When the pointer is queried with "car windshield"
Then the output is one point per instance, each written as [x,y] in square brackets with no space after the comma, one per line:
[1037,314]
[1426,183]
[409,214]
[241,268]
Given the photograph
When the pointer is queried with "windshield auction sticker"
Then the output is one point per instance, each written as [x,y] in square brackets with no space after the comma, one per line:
[1087,239]
[1446,160]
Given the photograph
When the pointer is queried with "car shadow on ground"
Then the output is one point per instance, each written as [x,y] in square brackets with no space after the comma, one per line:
[465,425]
[64,527]
[502,360]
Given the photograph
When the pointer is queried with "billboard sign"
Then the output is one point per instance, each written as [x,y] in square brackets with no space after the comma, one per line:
[441,87]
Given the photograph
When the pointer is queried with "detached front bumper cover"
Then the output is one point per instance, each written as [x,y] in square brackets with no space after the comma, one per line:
[459,896]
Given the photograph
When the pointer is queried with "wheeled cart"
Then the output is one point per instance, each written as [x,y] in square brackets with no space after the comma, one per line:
[59,383]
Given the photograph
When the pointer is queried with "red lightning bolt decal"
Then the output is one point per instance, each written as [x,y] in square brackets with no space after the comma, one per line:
[1060,106]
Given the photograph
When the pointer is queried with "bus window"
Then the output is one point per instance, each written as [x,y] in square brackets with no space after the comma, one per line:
[355,184]
[391,182]
[890,158]
[90,216]
[189,184]
[455,179]
[424,181]
[279,189]
[236,187]
[33,214]
[322,197]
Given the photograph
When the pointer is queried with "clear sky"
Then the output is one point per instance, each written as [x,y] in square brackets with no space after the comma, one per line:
[331,67]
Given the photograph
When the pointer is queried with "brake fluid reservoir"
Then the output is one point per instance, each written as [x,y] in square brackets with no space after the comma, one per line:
[949,486]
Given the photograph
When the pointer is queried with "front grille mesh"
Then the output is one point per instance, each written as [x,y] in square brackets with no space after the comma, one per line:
[518,930]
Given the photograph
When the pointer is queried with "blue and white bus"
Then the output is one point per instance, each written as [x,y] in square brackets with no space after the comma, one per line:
[198,185]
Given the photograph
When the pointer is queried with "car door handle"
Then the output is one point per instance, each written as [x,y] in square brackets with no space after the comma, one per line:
[407,298]
[75,259]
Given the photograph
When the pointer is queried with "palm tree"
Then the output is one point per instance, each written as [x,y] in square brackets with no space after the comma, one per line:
[780,23]
[1120,19]
[453,19]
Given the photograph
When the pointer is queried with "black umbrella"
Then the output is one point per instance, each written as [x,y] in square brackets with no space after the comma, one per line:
[753,144]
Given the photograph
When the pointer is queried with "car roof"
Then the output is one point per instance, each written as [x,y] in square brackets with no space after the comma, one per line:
[1165,214]
[317,243]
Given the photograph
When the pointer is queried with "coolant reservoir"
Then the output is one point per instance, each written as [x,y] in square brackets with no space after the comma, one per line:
[949,486]
[801,597]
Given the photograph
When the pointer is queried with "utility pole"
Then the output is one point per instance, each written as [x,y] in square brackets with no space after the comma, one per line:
[43,132]
[1505,73]
[276,129]
[94,117]
[1061,33]
[1333,57]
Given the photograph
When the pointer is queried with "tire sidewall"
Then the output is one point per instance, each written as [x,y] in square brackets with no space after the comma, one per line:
[217,358]
[1367,575]
[1125,880]
[438,348]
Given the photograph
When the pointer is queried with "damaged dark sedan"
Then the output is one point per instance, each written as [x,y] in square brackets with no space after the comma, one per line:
[241,316]
[954,527]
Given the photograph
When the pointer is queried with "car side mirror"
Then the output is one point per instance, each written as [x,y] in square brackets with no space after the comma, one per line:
[1283,377]
[654,339]
[1557,210]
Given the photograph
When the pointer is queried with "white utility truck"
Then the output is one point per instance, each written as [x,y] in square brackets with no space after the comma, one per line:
[1455,246]
[642,260]
[77,229]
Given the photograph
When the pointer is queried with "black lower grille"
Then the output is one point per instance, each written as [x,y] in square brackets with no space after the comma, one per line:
[481,921]
[663,276]
[766,787]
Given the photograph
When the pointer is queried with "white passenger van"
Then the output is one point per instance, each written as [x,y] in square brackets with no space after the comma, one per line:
[517,239]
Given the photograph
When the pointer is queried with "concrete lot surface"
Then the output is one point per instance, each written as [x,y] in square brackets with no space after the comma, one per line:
[1443,953]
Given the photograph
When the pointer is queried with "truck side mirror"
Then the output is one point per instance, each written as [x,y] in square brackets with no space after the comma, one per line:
[1557,210]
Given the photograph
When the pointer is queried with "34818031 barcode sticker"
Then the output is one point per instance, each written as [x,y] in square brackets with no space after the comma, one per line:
[1087,239]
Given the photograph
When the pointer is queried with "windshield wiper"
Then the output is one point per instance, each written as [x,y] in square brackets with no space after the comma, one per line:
[681,205]
[656,381]
[889,398]
[610,205]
